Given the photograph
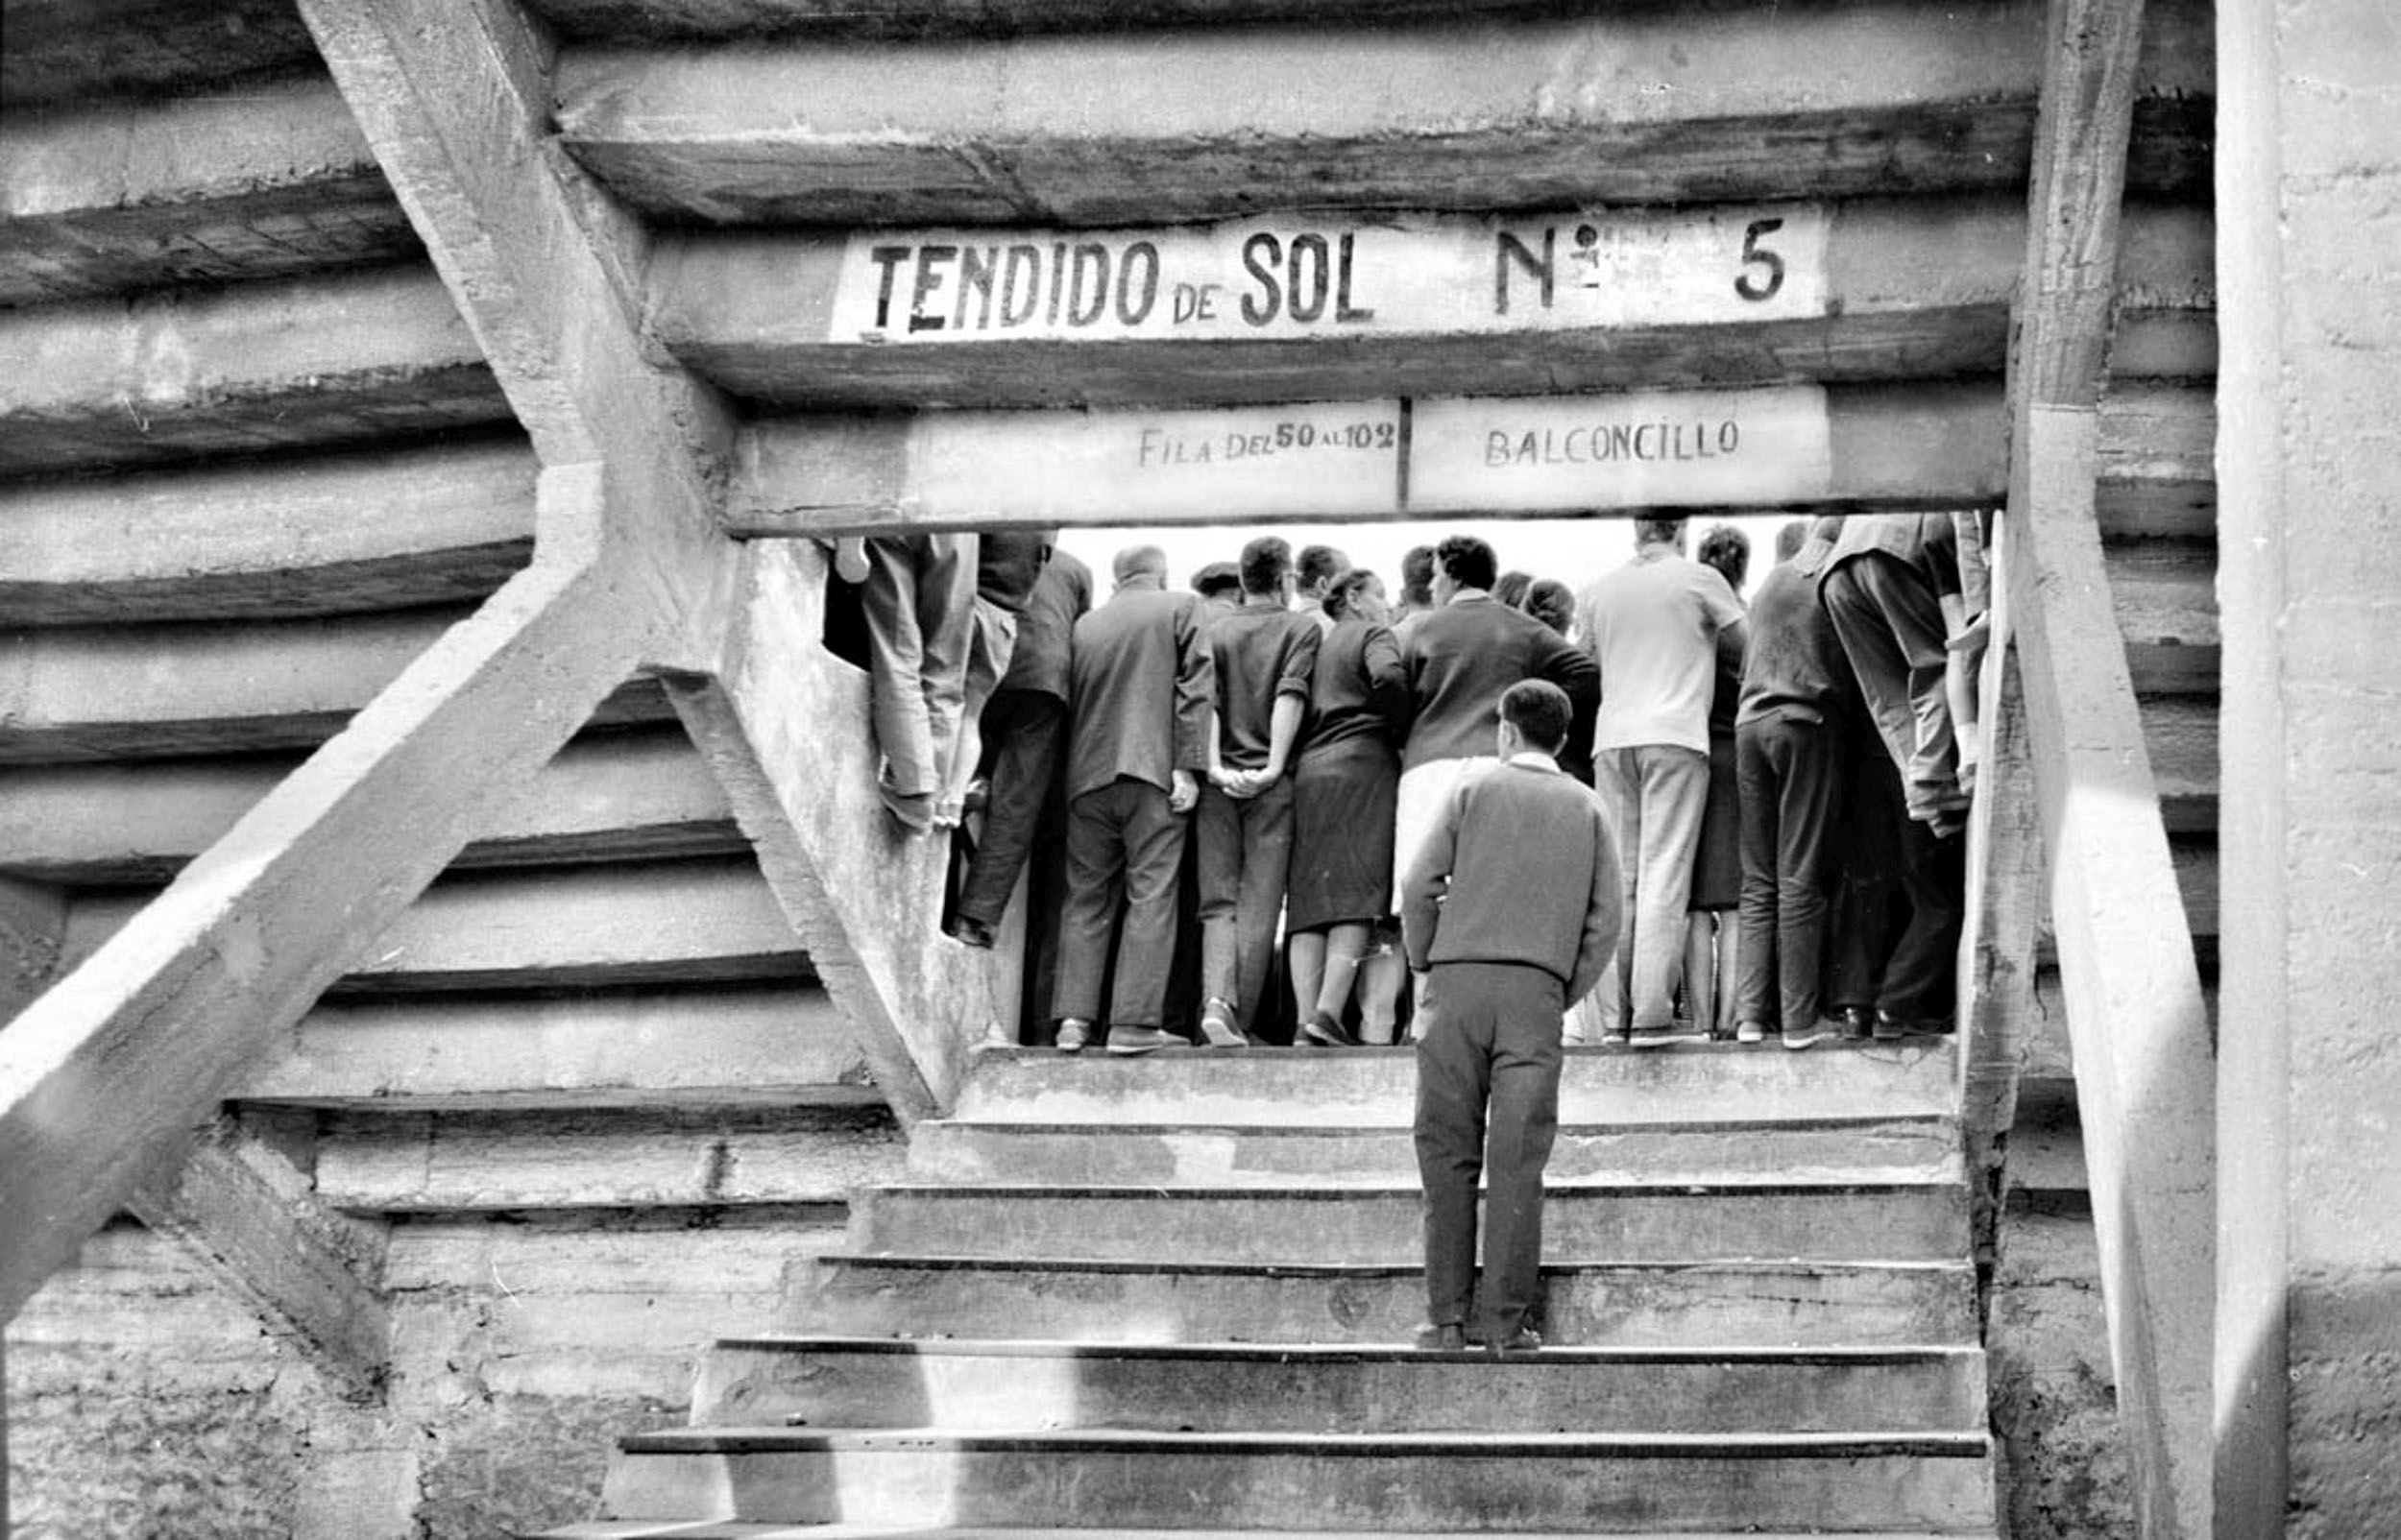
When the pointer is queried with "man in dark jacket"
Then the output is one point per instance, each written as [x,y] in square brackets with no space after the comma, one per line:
[1510,910]
[1141,689]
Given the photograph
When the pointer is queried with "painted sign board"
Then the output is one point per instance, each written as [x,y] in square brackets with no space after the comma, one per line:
[1371,460]
[1334,461]
[1293,278]
[1645,449]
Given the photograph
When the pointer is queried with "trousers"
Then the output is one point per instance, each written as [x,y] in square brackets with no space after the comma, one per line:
[1890,624]
[1654,797]
[1124,845]
[1024,731]
[920,598]
[1488,1109]
[1789,771]
[1245,856]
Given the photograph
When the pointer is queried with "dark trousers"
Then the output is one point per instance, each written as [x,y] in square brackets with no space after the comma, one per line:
[1245,856]
[1023,732]
[1487,1106]
[1920,978]
[1123,843]
[1789,772]
[1868,910]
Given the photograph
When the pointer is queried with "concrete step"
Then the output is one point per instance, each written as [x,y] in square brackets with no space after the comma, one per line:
[1580,1221]
[1263,1154]
[1626,1303]
[740,1530]
[1399,1484]
[986,1385]
[1371,1088]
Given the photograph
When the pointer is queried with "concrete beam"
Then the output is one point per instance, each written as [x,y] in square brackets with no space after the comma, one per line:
[865,898]
[396,527]
[1857,292]
[832,20]
[252,1218]
[82,693]
[776,1043]
[151,1032]
[264,179]
[624,794]
[1631,105]
[72,51]
[1932,445]
[690,921]
[2007,915]
[458,107]
[246,370]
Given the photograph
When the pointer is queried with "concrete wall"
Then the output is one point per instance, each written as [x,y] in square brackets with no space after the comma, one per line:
[2310,1069]
[145,1401]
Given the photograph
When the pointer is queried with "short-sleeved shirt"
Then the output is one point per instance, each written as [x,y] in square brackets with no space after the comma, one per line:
[1262,652]
[1652,627]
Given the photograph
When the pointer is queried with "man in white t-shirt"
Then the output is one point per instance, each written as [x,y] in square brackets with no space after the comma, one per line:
[1656,627]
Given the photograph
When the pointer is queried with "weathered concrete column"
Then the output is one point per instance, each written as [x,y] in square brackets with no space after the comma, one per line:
[2308,218]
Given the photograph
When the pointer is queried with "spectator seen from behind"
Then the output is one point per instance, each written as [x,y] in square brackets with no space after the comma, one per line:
[1141,686]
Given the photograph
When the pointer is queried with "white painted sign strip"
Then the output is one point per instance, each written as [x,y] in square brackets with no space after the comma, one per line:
[1287,278]
[1333,461]
[1645,449]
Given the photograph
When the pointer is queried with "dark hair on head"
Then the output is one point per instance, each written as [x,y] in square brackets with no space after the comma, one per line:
[1790,538]
[1538,710]
[1321,563]
[1727,549]
[1347,590]
[1469,562]
[1417,572]
[1660,531]
[1217,580]
[1510,590]
[1553,603]
[1266,561]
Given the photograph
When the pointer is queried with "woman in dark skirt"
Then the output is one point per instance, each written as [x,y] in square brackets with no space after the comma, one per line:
[1344,792]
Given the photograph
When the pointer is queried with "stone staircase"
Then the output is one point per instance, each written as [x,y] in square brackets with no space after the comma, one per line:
[1172,1293]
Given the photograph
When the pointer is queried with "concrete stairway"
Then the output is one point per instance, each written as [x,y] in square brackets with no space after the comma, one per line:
[1173,1293]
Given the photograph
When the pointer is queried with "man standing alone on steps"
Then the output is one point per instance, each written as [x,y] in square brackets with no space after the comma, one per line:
[1140,703]
[1509,911]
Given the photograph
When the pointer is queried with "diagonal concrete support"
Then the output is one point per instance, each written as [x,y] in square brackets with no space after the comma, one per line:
[249,1212]
[2135,1011]
[457,102]
[865,898]
[146,1037]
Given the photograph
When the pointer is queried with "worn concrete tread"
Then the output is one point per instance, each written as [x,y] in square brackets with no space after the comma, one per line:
[740,1530]
[777,1438]
[1330,1354]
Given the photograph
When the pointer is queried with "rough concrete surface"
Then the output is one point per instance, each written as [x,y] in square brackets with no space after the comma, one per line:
[2064,1472]
[144,1403]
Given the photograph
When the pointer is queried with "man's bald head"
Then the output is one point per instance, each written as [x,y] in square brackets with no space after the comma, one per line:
[1141,563]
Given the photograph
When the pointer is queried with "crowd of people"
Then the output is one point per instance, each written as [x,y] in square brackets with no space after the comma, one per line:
[1229,782]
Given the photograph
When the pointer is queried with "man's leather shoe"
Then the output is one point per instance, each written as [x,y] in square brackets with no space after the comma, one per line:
[969,932]
[1125,1041]
[1072,1035]
[1524,1340]
[1444,1336]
